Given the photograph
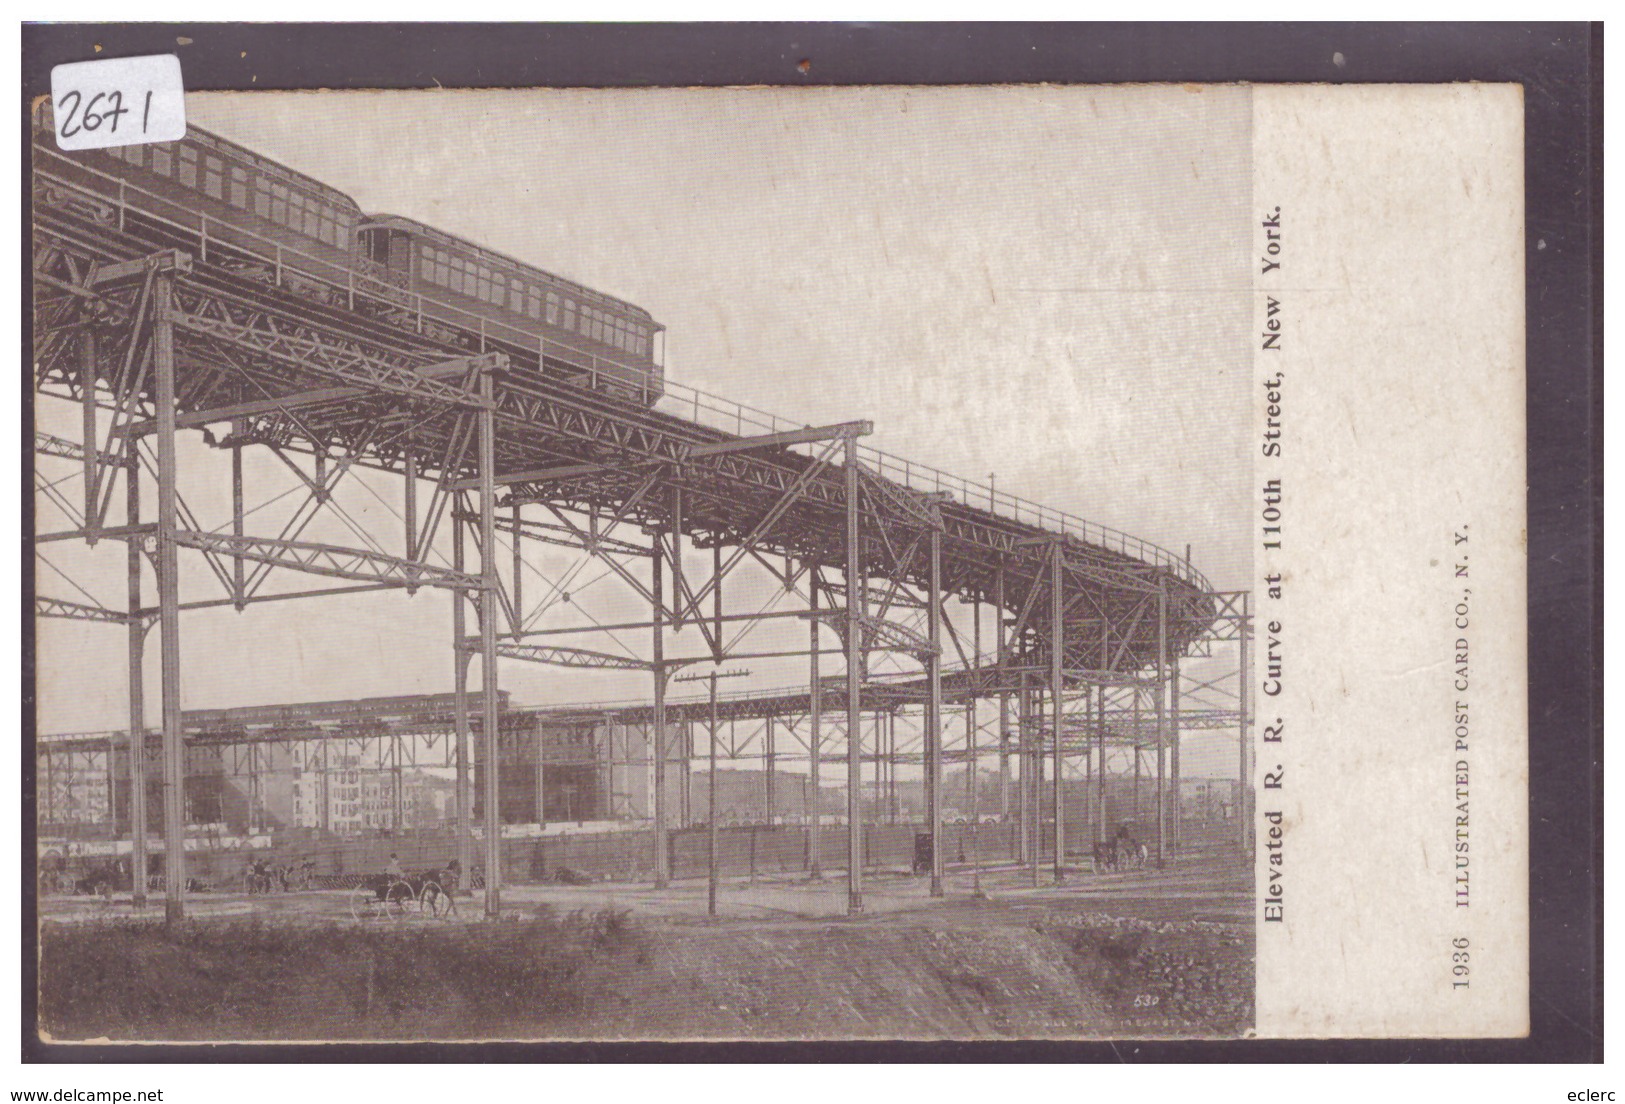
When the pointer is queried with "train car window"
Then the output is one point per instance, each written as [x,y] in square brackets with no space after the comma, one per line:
[213,170]
[313,222]
[132,154]
[188,174]
[569,314]
[161,160]
[516,295]
[533,303]
[552,308]
[239,188]
[262,197]
[279,203]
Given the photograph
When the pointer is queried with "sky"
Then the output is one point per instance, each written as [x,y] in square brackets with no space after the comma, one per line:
[1049,285]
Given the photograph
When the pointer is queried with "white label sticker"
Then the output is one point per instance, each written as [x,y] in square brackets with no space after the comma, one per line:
[118,102]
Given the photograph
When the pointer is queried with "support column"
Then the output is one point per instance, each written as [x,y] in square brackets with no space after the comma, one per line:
[87,407]
[1032,823]
[137,633]
[1244,835]
[397,814]
[1105,666]
[1057,693]
[1102,832]
[1023,829]
[1177,821]
[112,789]
[686,794]
[518,603]
[462,806]
[488,649]
[933,712]
[815,705]
[769,765]
[1001,631]
[541,776]
[971,780]
[410,513]
[255,816]
[711,807]
[238,587]
[854,683]
[657,738]
[1136,758]
[1087,830]
[1162,723]
[169,614]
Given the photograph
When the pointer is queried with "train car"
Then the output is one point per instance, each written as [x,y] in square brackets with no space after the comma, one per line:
[210,195]
[600,341]
[249,215]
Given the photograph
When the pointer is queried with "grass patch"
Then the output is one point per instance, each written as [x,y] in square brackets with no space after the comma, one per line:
[255,980]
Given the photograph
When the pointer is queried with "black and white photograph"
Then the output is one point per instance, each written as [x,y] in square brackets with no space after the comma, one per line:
[877,563]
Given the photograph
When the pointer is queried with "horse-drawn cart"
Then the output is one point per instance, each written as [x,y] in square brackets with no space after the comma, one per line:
[429,895]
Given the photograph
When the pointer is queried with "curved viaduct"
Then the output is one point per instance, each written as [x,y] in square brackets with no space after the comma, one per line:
[153,329]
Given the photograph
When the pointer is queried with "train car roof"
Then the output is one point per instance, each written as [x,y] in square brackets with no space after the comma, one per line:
[385,220]
[265,164]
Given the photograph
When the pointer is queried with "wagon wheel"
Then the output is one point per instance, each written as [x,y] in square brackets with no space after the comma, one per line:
[399,901]
[435,902]
[363,902]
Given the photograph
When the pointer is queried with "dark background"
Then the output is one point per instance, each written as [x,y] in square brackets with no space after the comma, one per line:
[1560,67]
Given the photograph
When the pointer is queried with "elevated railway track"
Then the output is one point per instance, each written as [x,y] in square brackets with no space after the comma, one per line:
[152,328]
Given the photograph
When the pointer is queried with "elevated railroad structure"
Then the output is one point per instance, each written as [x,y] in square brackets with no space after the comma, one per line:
[152,323]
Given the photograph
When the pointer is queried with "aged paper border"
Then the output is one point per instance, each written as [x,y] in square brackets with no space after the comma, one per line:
[1562,451]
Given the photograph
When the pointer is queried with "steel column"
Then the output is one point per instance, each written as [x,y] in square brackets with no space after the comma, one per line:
[92,457]
[1101,832]
[1244,835]
[1023,829]
[854,682]
[1032,824]
[933,712]
[769,765]
[657,739]
[1176,822]
[1057,692]
[488,647]
[711,808]
[169,617]
[1162,722]
[971,780]
[238,588]
[410,512]
[815,707]
[397,814]
[461,805]
[137,630]
[1001,630]
[517,591]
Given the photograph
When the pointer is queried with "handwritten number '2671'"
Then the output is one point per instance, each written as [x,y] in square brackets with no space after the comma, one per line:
[91,119]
